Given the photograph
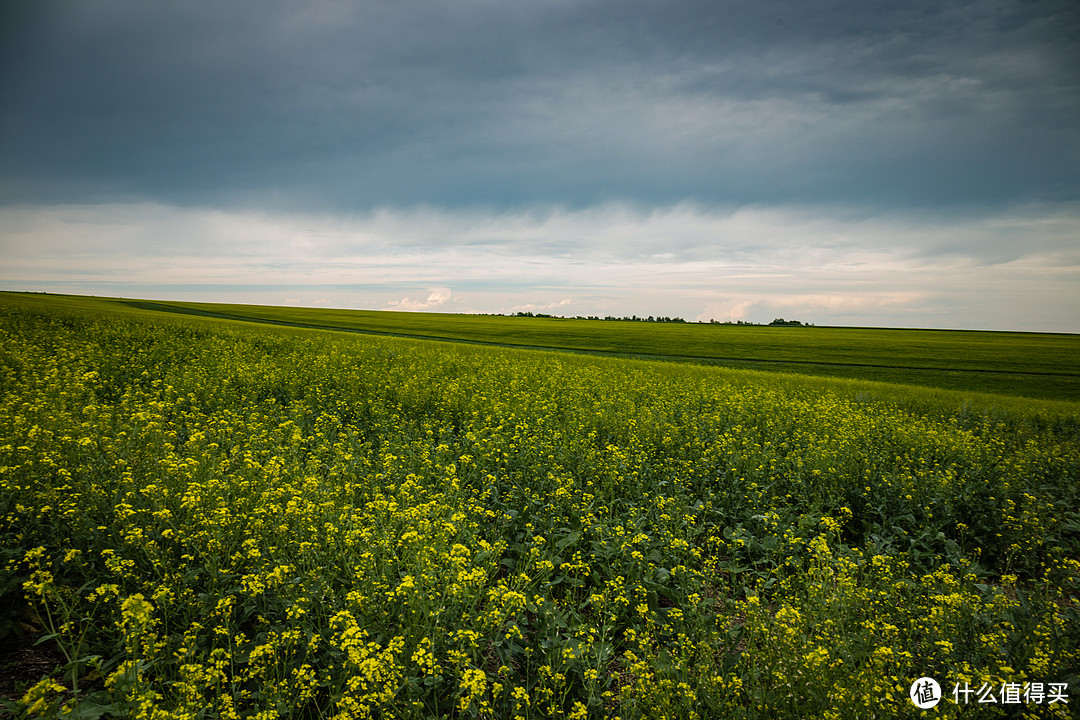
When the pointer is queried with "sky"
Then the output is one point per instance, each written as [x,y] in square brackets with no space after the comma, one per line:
[840,162]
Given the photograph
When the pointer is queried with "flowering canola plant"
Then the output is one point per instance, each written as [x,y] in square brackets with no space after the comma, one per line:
[218,520]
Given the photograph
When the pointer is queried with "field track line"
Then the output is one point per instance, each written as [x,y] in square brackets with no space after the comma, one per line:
[165,307]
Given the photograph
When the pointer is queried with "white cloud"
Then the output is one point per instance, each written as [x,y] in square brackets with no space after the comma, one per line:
[728,310]
[541,307]
[437,298]
[1015,269]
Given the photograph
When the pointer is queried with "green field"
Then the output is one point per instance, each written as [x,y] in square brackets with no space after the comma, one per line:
[204,517]
[1041,365]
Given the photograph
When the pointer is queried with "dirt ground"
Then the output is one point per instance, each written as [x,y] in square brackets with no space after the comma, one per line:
[22,664]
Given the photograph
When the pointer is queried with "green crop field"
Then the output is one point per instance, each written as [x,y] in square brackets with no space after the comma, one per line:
[204,518]
[1041,365]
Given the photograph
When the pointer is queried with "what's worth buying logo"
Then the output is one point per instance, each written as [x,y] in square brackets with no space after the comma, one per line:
[925,693]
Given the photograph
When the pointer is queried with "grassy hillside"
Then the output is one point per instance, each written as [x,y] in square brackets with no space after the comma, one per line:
[1040,365]
[219,519]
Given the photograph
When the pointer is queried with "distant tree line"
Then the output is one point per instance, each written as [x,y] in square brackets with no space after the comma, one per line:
[627,318]
[778,322]
[659,319]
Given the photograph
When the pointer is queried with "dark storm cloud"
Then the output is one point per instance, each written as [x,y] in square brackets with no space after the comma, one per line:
[348,106]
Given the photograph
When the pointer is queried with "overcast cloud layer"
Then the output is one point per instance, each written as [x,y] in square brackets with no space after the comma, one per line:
[900,163]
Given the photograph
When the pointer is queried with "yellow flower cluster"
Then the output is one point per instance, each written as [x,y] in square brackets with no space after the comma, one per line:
[225,521]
